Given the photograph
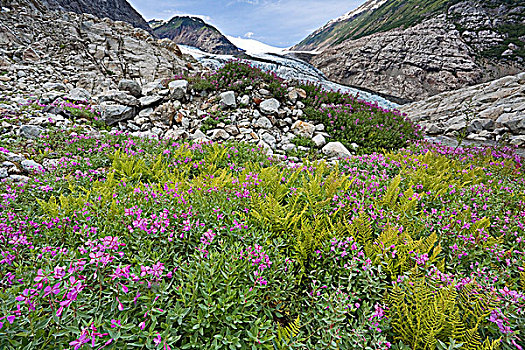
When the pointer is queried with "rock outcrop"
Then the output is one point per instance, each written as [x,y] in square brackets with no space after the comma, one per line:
[195,32]
[78,51]
[116,10]
[493,111]
[416,54]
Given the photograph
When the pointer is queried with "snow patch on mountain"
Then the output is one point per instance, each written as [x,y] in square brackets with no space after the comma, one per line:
[252,46]
[368,6]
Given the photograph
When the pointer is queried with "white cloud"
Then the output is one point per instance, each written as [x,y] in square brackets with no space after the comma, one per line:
[249,35]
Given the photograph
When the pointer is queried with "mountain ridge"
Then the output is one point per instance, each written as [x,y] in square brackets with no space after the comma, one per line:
[416,49]
[193,31]
[116,10]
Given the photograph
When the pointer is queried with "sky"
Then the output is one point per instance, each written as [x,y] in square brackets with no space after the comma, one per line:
[280,23]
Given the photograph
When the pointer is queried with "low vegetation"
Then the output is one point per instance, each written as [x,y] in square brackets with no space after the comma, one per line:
[347,118]
[132,243]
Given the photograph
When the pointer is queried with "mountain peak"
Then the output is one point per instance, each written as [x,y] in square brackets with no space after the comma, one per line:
[116,10]
[193,31]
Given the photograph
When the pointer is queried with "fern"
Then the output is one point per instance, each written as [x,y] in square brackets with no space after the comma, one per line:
[286,335]
[423,315]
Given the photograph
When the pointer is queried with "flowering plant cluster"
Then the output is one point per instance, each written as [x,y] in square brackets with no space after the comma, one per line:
[125,243]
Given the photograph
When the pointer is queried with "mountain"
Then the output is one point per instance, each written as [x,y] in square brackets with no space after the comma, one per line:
[43,47]
[116,10]
[193,31]
[252,46]
[155,23]
[413,49]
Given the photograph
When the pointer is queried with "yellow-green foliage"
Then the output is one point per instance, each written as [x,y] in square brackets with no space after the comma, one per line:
[422,313]
[287,334]
[522,279]
[302,215]
[436,172]
[394,249]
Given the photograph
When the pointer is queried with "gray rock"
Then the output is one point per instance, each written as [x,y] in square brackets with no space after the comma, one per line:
[287,147]
[232,129]
[150,100]
[30,131]
[303,129]
[269,139]
[265,148]
[270,106]
[336,149]
[120,97]
[219,134]
[455,124]
[130,86]
[19,178]
[245,100]
[50,96]
[176,134]
[178,89]
[319,141]
[512,121]
[3,173]
[433,129]
[145,113]
[263,122]
[152,88]
[13,157]
[197,135]
[30,165]
[78,94]
[54,87]
[478,125]
[228,99]
[113,114]
[517,140]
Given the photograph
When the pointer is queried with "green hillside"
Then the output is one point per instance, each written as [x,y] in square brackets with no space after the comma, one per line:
[407,13]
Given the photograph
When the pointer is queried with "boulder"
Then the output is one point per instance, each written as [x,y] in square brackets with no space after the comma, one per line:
[263,123]
[130,86]
[478,125]
[336,149]
[78,95]
[219,134]
[147,101]
[112,114]
[265,148]
[269,139]
[512,121]
[152,88]
[303,129]
[31,165]
[228,99]
[176,134]
[319,141]
[270,106]
[120,97]
[30,131]
[178,89]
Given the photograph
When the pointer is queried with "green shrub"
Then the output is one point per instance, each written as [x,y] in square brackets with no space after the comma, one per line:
[372,129]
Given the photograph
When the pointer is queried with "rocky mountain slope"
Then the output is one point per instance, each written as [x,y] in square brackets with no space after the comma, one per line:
[39,46]
[117,10]
[490,112]
[415,49]
[195,32]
